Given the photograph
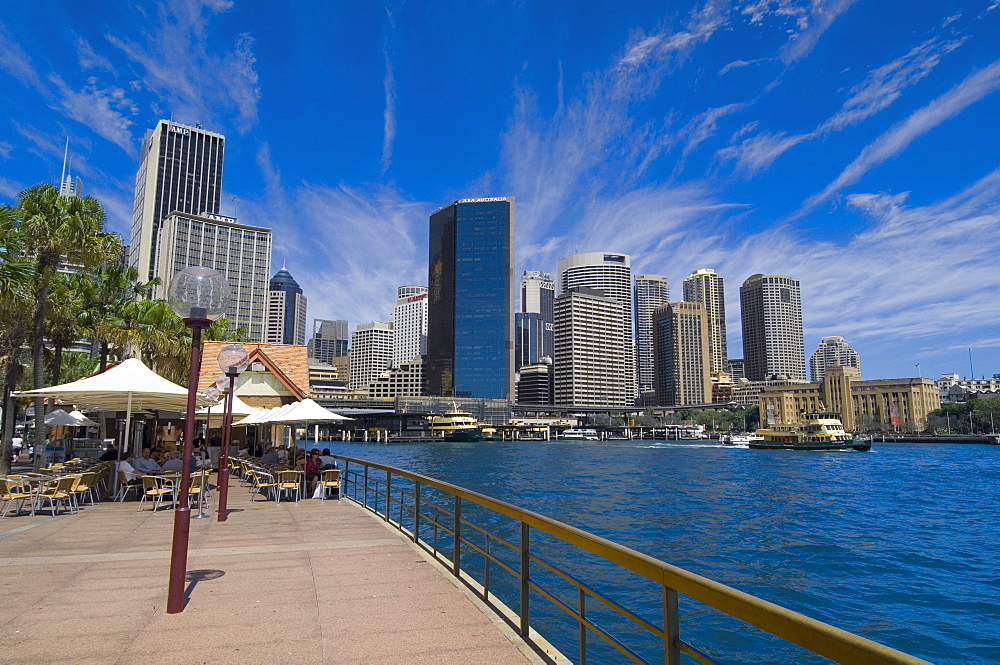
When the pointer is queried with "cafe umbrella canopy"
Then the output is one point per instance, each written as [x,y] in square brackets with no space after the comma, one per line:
[129,386]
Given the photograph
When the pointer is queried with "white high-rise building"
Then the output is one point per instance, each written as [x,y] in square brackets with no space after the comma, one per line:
[651,291]
[832,351]
[771,310]
[240,252]
[371,353]
[610,273]
[592,356]
[708,288]
[409,325]
[180,170]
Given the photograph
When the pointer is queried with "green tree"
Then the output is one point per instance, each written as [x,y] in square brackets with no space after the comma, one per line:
[16,278]
[108,294]
[57,229]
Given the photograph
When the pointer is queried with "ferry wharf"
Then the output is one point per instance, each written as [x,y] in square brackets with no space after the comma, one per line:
[297,582]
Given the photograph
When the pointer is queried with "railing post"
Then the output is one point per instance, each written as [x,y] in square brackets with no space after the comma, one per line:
[671,630]
[365,494]
[457,558]
[582,601]
[525,590]
[388,493]
[416,513]
[486,572]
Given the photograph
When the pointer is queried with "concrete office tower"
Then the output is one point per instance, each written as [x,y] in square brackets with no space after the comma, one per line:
[592,360]
[682,354]
[470,311]
[771,309]
[329,340]
[832,351]
[371,353]
[651,291]
[409,325]
[708,288]
[612,274]
[240,252]
[538,289]
[180,170]
[286,311]
[534,385]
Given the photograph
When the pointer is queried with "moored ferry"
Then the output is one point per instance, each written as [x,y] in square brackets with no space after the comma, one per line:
[818,430]
[455,425]
[580,435]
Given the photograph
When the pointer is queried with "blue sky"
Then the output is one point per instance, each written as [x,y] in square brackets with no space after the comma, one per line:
[850,144]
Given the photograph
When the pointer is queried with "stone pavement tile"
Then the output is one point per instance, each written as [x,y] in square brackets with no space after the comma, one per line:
[479,655]
[30,647]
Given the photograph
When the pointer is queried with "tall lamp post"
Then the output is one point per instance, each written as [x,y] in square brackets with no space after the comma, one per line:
[232,360]
[199,296]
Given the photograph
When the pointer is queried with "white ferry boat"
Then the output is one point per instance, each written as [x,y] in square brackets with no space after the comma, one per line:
[575,434]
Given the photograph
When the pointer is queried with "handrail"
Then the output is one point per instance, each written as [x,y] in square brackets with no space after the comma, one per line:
[820,638]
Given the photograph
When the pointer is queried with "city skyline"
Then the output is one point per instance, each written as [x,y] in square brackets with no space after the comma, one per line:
[846,144]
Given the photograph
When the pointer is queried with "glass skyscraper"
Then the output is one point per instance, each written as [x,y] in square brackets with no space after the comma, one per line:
[470,314]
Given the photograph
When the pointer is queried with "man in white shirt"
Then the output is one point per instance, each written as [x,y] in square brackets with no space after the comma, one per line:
[132,476]
[146,464]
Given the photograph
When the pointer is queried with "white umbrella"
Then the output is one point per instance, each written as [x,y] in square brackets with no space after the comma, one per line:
[308,411]
[60,418]
[82,419]
[128,386]
[240,408]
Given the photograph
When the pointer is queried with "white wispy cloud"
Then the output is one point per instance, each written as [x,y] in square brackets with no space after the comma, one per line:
[193,77]
[15,61]
[373,238]
[756,153]
[389,85]
[882,86]
[820,16]
[976,86]
[904,277]
[885,84]
[88,59]
[10,188]
[5,149]
[739,64]
[105,110]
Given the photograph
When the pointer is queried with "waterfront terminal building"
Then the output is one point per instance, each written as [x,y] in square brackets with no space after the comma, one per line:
[883,404]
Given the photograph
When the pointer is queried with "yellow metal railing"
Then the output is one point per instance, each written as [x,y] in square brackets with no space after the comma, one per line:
[403,499]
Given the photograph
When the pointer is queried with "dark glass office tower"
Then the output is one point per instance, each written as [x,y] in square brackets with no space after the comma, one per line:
[470,316]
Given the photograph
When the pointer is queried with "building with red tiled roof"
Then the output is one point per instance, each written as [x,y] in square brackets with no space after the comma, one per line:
[277,373]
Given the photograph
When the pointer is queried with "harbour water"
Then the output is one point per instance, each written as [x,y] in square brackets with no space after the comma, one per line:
[900,545]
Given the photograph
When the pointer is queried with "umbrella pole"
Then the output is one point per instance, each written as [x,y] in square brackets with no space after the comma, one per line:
[124,446]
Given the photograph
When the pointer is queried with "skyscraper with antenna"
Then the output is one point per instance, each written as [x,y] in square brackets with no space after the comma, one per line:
[180,171]
[68,186]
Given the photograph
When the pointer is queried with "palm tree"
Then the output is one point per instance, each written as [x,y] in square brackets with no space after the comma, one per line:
[63,324]
[58,229]
[15,297]
[108,294]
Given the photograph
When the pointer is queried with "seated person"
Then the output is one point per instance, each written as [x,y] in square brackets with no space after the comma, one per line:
[328,461]
[312,466]
[173,463]
[132,476]
[109,455]
[270,457]
[146,463]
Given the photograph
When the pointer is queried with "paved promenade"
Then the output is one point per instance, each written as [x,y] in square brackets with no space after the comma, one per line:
[308,582]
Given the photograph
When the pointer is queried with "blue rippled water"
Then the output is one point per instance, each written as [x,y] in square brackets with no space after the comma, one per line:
[900,545]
